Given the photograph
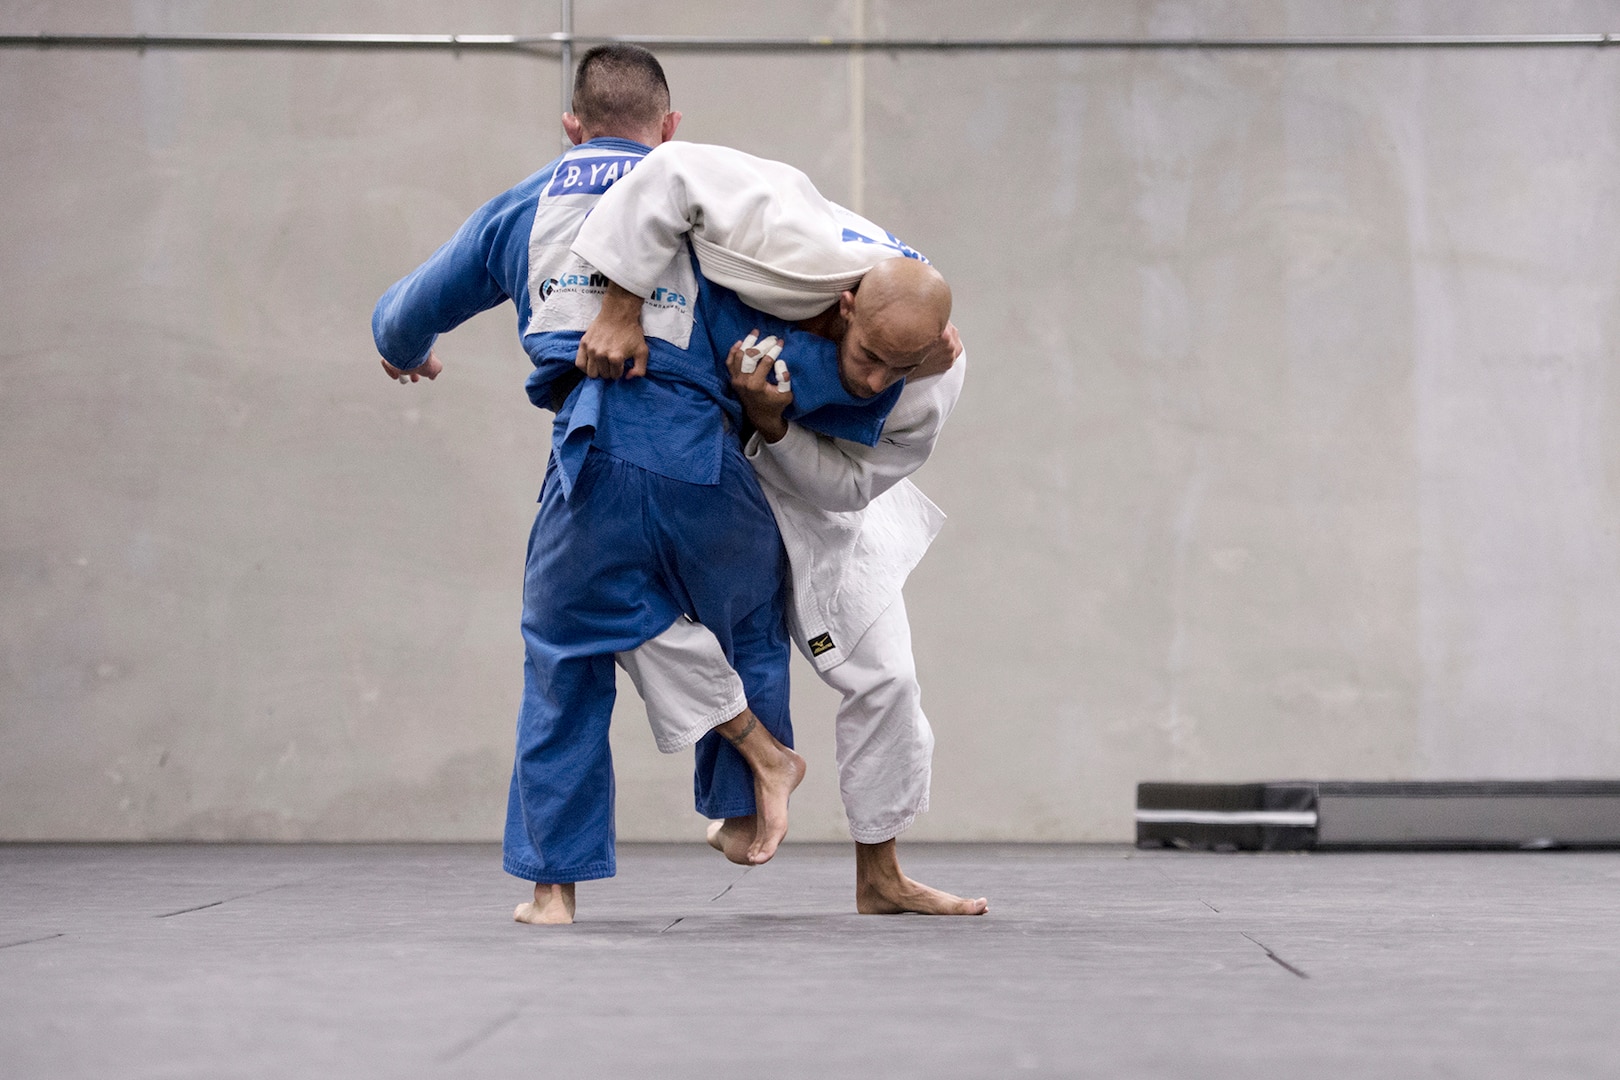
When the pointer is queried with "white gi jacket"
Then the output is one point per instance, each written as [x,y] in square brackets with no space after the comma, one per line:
[853,525]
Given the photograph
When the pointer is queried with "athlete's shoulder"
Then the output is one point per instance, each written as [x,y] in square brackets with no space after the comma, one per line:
[524,191]
[511,209]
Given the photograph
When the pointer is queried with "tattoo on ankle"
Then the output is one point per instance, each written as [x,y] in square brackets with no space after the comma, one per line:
[735,740]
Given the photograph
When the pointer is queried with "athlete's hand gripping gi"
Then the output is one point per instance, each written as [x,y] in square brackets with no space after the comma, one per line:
[614,339]
[763,384]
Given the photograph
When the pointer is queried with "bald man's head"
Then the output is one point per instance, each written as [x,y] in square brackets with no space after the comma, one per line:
[894,320]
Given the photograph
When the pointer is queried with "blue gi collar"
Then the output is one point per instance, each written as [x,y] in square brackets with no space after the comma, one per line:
[613,142]
[820,401]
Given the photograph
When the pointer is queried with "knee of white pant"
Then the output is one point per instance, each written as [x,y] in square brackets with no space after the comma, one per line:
[889,689]
[880,721]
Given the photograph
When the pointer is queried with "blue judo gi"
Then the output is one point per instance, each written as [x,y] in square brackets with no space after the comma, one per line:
[648,510]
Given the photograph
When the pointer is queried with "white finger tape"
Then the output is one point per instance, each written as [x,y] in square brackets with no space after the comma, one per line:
[775,350]
[750,362]
[748,342]
[404,378]
[782,386]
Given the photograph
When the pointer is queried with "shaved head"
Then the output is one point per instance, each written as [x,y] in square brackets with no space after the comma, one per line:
[893,321]
[903,305]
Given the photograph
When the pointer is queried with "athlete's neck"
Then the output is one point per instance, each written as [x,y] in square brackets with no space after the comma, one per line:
[829,324]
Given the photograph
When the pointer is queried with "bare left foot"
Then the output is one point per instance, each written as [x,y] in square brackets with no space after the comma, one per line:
[777,772]
[553,905]
[882,889]
[732,838]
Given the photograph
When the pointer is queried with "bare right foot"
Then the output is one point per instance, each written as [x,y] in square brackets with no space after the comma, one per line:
[882,889]
[777,771]
[553,905]
[733,837]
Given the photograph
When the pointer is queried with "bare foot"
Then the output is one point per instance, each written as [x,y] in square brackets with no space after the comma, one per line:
[733,837]
[772,787]
[777,771]
[882,889]
[553,905]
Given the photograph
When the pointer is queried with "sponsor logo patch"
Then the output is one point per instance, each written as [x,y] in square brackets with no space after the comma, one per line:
[821,643]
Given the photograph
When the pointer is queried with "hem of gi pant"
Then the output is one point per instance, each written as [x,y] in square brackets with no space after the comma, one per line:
[881,834]
[720,813]
[589,872]
[691,735]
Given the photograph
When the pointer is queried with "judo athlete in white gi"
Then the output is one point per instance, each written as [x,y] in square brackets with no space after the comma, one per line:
[649,514]
[853,524]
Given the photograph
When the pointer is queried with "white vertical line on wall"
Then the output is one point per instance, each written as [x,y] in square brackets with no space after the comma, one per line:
[566,61]
[857,114]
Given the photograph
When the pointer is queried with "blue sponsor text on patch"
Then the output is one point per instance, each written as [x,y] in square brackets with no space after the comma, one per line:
[598,280]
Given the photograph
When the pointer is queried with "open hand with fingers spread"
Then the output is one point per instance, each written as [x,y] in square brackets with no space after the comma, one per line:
[428,369]
[752,363]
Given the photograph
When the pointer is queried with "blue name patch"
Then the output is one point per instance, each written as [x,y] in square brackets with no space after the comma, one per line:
[589,175]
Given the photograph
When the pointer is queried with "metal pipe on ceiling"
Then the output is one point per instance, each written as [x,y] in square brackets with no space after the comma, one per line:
[564,42]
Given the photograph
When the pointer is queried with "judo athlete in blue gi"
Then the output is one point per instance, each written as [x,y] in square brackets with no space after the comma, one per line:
[649,513]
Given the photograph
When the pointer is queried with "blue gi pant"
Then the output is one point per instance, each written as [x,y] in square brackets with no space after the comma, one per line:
[610,567]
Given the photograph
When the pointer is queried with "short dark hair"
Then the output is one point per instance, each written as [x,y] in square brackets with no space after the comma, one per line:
[620,86]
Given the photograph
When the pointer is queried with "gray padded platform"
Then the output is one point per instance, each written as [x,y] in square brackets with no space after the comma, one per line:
[1295,815]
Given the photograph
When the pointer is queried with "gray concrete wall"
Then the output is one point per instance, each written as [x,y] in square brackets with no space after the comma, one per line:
[1290,449]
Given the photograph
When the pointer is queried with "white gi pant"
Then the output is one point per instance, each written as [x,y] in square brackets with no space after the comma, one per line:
[882,740]
[686,684]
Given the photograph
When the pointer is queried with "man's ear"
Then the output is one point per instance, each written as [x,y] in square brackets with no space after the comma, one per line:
[672,120]
[574,129]
[846,306]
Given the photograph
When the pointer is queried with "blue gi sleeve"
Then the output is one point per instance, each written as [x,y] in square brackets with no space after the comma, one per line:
[451,287]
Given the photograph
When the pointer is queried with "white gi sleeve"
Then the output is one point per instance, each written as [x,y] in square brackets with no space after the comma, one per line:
[840,476]
[639,224]
[758,227]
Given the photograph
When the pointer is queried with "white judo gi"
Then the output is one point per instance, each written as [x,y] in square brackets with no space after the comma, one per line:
[852,522]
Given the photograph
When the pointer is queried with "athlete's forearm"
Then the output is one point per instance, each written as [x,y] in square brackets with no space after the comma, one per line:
[832,474]
[452,286]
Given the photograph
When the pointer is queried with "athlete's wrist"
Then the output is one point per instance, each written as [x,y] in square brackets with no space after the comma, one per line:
[771,428]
